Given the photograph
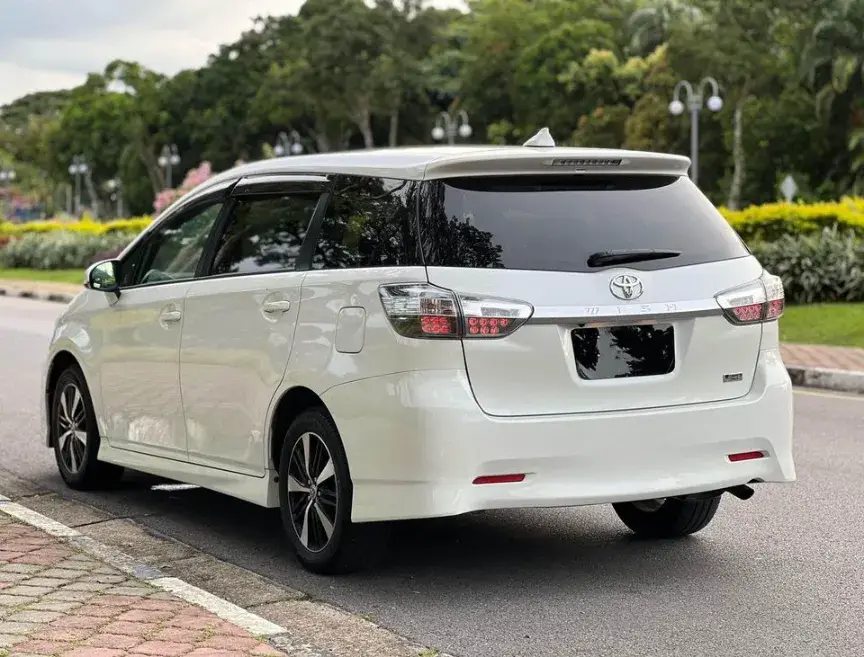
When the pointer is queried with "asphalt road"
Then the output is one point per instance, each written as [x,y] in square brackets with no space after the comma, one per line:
[780,574]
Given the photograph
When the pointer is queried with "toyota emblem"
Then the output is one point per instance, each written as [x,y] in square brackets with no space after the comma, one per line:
[626,287]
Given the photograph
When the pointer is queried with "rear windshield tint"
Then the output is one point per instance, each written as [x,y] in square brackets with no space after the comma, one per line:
[557,223]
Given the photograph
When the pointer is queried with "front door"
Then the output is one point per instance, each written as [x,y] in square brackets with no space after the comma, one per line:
[239,322]
[140,334]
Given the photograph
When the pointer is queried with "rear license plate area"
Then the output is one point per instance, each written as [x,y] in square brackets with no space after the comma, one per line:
[618,352]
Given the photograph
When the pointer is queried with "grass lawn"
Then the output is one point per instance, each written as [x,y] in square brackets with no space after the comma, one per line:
[840,324]
[74,276]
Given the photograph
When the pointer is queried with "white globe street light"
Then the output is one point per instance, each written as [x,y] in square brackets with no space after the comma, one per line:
[288,144]
[447,126]
[695,99]
[6,178]
[168,159]
[715,103]
[78,169]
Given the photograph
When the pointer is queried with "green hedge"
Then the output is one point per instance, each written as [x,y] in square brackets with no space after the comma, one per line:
[769,222]
[61,249]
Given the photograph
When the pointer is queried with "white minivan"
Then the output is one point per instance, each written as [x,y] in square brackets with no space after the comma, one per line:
[370,336]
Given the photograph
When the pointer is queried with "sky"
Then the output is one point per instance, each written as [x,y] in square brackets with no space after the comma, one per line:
[54,44]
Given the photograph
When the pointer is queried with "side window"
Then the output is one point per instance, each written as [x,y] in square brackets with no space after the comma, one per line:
[173,251]
[264,234]
[370,222]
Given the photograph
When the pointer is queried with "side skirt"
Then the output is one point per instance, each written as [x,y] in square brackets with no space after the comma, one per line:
[262,491]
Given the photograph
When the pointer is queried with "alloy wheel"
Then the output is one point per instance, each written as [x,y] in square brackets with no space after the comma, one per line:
[72,428]
[313,492]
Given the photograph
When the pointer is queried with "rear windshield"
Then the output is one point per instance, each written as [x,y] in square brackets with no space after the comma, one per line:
[557,223]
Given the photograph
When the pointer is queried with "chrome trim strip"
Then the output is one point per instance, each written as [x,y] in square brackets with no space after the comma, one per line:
[624,313]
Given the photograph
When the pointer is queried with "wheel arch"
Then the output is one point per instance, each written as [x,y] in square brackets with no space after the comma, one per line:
[60,362]
[292,403]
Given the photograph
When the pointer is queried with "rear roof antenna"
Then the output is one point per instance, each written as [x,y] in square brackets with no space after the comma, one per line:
[543,139]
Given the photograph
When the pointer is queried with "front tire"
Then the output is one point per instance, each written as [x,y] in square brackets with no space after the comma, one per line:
[669,518]
[75,435]
[315,496]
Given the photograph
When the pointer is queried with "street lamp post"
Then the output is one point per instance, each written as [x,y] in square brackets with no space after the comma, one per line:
[448,127]
[695,98]
[7,175]
[169,159]
[288,145]
[115,188]
[77,169]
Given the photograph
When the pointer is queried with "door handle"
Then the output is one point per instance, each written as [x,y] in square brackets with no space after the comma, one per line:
[274,307]
[171,316]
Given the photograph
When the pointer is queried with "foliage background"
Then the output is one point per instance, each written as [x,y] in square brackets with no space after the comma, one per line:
[347,74]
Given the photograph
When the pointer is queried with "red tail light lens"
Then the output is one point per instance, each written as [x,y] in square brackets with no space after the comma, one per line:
[762,300]
[420,310]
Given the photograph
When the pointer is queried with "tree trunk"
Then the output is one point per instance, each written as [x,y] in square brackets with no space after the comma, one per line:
[393,140]
[365,125]
[738,155]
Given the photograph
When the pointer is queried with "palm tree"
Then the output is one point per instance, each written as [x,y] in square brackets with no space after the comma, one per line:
[649,26]
[836,45]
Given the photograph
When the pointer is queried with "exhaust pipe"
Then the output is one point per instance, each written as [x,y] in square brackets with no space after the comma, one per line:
[742,492]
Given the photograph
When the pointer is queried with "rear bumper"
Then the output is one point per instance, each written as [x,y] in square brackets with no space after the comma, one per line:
[417,440]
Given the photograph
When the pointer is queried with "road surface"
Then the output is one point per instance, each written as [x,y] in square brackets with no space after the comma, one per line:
[780,574]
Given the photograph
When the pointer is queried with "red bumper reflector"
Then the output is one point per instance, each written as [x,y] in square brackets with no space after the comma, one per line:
[500,479]
[746,456]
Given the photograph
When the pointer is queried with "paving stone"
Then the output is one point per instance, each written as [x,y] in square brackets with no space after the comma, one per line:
[80,622]
[62,573]
[21,568]
[70,596]
[54,606]
[12,577]
[46,581]
[10,640]
[35,616]
[92,587]
[230,643]
[78,564]
[121,641]
[129,628]
[138,591]
[12,627]
[28,591]
[162,648]
[114,580]
[94,652]
[43,647]
[144,616]
[15,600]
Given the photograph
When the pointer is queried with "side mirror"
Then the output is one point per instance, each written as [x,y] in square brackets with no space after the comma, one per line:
[103,276]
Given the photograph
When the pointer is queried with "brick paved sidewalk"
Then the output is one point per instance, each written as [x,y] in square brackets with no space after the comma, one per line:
[830,358]
[55,601]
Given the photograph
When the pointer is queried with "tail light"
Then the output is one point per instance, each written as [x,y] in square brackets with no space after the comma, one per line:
[420,310]
[762,300]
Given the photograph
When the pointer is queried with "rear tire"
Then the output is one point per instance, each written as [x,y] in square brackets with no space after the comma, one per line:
[75,434]
[315,497]
[670,518]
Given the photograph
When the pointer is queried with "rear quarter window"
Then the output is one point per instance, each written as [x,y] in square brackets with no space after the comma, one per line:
[555,223]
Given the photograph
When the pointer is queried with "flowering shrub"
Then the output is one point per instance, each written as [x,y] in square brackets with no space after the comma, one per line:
[83,227]
[193,178]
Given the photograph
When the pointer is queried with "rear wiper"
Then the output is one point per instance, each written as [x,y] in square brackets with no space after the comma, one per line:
[624,256]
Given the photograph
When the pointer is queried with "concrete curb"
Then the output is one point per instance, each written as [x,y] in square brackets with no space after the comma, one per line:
[227,611]
[23,293]
[804,377]
[825,379]
[298,642]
